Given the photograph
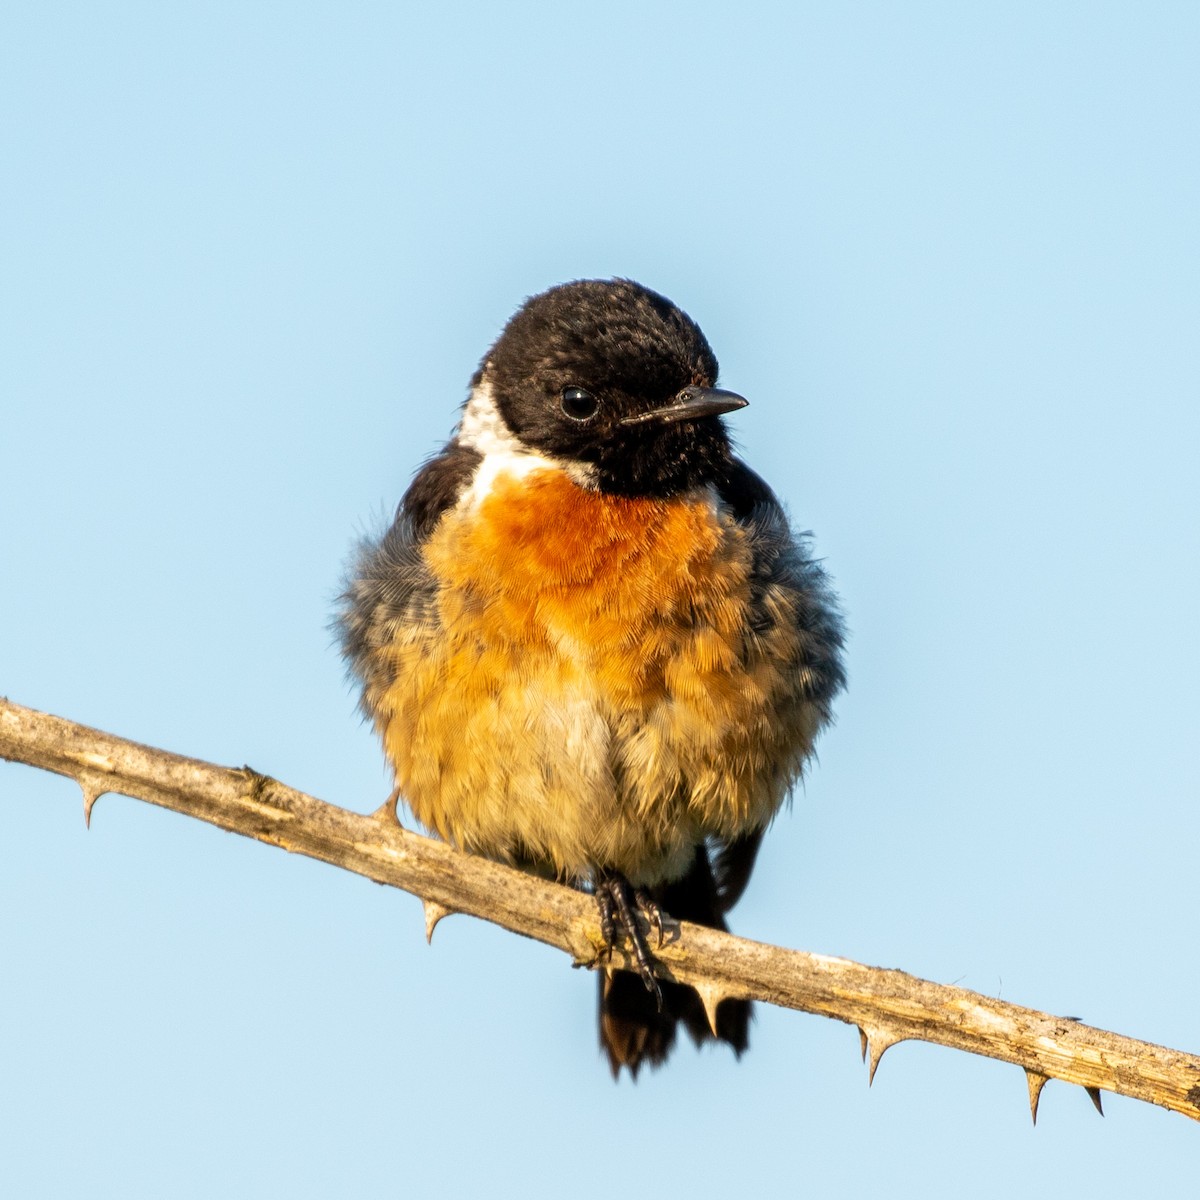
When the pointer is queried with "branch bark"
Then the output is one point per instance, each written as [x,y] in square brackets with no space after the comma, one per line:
[888,1006]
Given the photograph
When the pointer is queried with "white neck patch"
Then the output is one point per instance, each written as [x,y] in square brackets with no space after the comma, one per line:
[484,430]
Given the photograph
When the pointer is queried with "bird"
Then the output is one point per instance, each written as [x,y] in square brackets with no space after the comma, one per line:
[591,644]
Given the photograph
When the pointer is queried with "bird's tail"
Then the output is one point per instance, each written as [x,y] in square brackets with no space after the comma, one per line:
[633,1032]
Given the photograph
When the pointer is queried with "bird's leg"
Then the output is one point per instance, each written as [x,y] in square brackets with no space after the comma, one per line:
[618,904]
[608,928]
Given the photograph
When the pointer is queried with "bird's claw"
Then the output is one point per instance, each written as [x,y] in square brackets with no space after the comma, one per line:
[654,914]
[618,903]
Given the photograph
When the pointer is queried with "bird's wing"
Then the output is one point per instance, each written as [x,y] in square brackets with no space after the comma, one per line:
[391,594]
[784,579]
[731,863]
[437,487]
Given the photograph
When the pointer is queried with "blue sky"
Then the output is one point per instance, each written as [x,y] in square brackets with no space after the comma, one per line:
[251,255]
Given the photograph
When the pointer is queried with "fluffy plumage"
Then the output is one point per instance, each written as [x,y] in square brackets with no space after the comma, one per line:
[592,645]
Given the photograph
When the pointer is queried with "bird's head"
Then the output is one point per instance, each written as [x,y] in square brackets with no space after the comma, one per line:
[612,376]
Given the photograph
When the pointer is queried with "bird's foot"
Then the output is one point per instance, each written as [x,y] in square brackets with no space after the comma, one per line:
[619,903]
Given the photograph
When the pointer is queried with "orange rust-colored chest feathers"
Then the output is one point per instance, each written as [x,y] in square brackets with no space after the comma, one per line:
[594,680]
[613,585]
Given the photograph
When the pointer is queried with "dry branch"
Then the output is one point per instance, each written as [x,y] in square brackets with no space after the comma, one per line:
[887,1006]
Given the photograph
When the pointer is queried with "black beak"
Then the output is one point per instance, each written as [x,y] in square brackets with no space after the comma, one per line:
[691,404]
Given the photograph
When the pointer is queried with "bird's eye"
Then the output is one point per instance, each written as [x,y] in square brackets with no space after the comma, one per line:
[578,404]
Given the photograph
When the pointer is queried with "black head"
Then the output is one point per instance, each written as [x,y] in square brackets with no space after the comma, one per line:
[611,374]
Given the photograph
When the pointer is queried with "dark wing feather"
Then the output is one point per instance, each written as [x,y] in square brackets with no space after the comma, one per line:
[745,491]
[390,589]
[437,487]
[732,863]
[779,562]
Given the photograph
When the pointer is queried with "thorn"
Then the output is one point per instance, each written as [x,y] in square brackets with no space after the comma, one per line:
[434,912]
[879,1041]
[1036,1081]
[1094,1094]
[711,998]
[91,793]
[877,1052]
[387,811]
[862,1041]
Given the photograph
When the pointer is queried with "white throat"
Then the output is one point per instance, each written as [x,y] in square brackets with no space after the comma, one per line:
[485,431]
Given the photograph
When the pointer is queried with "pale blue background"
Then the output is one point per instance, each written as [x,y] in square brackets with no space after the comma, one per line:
[251,255]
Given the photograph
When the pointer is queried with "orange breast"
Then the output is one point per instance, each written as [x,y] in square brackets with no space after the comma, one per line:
[586,695]
[608,579]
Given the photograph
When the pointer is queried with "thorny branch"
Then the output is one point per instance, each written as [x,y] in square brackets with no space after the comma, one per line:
[887,1006]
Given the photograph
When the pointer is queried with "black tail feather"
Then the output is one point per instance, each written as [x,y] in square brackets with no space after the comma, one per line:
[633,1032]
